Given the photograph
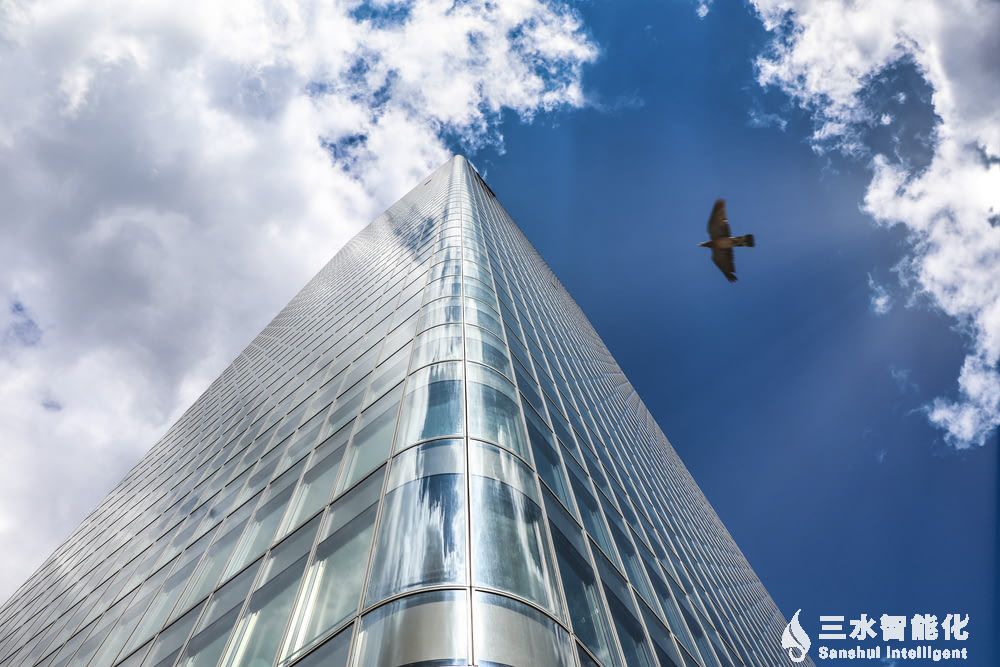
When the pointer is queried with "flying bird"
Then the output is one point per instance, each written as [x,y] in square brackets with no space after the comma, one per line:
[722,243]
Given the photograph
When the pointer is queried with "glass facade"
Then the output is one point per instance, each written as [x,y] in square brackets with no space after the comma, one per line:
[427,458]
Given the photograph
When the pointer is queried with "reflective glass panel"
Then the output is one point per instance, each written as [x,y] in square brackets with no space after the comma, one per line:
[258,633]
[317,484]
[508,542]
[427,629]
[332,589]
[508,632]
[494,413]
[432,406]
[209,639]
[422,535]
[372,439]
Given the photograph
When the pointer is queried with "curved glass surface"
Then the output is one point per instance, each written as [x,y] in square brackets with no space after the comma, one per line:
[509,545]
[432,405]
[426,629]
[422,535]
[442,343]
[509,632]
[487,349]
[442,311]
[494,413]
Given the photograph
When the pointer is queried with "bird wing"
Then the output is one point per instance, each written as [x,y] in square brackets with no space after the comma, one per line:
[723,258]
[718,223]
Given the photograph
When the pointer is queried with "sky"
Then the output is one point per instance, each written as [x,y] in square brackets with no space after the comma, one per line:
[172,174]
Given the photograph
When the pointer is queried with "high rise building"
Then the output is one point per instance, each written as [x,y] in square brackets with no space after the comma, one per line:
[427,458]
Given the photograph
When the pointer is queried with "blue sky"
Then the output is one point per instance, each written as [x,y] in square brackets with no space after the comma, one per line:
[797,408]
[173,172]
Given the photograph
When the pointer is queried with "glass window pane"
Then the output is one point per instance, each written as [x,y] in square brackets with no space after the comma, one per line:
[259,533]
[169,642]
[547,460]
[432,406]
[112,646]
[422,535]
[508,542]
[372,441]
[441,312]
[428,629]
[663,647]
[317,484]
[442,343]
[630,558]
[586,611]
[160,608]
[630,634]
[486,348]
[62,657]
[494,413]
[478,313]
[511,633]
[102,630]
[591,513]
[214,562]
[332,589]
[389,374]
[209,639]
[258,633]
[334,653]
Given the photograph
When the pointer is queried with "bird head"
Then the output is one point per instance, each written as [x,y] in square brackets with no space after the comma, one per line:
[704,244]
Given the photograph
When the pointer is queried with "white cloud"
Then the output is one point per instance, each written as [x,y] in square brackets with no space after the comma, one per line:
[173,171]
[901,376]
[880,301]
[703,8]
[757,118]
[825,55]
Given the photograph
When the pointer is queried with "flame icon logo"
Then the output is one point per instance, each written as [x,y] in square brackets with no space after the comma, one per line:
[795,639]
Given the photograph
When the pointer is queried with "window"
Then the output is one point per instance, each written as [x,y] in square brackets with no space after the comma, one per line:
[487,349]
[259,532]
[663,647]
[508,535]
[478,313]
[508,632]
[422,534]
[209,639]
[586,610]
[633,640]
[372,439]
[494,413]
[428,629]
[441,343]
[112,646]
[102,630]
[332,589]
[317,483]
[168,644]
[389,374]
[203,580]
[620,604]
[590,511]
[547,460]
[432,406]
[161,605]
[258,633]
[442,311]
[334,653]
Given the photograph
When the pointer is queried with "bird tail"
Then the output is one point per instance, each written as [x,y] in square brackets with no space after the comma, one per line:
[745,241]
